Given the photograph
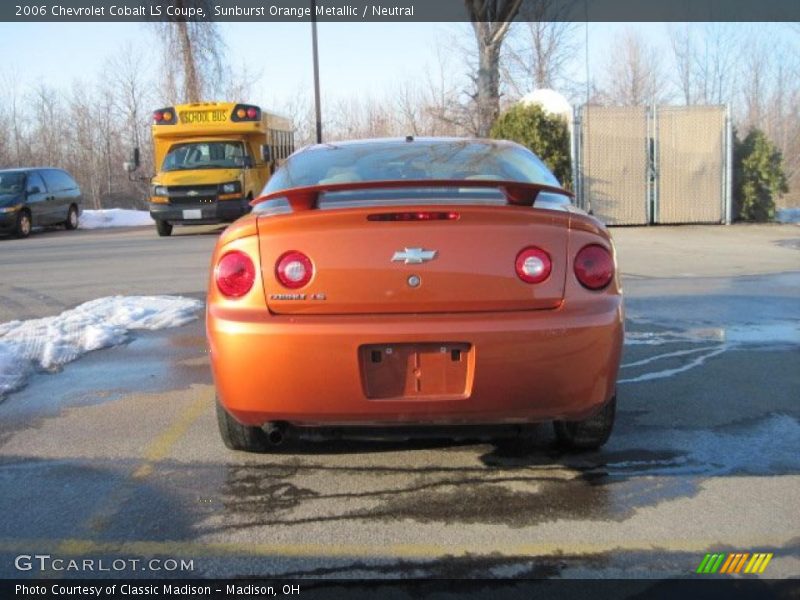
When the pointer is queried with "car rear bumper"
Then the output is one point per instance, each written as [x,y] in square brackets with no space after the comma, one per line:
[219,211]
[524,366]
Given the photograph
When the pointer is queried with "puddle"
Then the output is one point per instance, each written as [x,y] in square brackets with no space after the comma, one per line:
[703,344]
[765,447]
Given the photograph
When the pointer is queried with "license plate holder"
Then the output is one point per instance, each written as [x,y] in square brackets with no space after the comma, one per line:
[439,370]
[193,213]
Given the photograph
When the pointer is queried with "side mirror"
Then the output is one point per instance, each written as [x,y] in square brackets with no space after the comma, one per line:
[248,162]
[134,161]
[34,190]
[266,155]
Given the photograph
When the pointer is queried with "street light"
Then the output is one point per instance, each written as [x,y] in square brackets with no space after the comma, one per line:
[316,69]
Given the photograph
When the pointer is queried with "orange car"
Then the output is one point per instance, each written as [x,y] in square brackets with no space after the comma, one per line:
[400,285]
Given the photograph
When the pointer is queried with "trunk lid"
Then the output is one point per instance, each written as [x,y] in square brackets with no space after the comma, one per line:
[473,268]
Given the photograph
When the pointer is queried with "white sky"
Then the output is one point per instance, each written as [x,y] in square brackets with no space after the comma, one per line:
[355,58]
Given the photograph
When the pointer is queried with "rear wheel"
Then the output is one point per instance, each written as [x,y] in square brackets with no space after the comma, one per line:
[163,227]
[237,436]
[72,218]
[23,226]
[590,433]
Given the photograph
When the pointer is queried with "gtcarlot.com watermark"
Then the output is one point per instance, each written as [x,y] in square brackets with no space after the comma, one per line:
[47,562]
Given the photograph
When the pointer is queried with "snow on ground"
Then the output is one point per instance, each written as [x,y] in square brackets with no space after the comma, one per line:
[49,343]
[114,217]
[788,215]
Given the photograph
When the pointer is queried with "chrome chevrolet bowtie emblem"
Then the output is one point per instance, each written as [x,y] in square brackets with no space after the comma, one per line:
[192,193]
[414,256]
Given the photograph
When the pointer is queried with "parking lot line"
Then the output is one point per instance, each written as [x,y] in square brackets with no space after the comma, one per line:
[161,446]
[155,452]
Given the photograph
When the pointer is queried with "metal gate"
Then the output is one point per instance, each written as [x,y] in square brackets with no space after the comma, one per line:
[637,165]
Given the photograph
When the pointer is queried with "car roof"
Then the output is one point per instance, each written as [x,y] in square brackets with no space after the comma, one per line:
[29,169]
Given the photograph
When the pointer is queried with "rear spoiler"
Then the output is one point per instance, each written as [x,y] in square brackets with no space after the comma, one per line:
[516,192]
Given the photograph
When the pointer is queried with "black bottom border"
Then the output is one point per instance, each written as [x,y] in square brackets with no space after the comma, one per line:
[494,589]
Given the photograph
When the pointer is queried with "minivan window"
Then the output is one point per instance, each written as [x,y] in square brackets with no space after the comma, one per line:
[11,183]
[58,181]
[35,181]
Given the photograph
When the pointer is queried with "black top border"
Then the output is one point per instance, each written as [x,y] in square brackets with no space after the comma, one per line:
[397,11]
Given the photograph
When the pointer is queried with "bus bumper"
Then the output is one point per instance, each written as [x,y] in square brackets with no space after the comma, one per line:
[218,211]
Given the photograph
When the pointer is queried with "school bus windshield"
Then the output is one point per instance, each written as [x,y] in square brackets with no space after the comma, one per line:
[205,155]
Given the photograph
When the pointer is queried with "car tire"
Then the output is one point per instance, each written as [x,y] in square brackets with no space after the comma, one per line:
[23,227]
[72,218]
[588,434]
[237,436]
[163,228]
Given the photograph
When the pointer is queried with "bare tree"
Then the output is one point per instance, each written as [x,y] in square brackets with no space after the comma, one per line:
[193,57]
[715,65]
[684,55]
[538,52]
[82,159]
[10,84]
[443,108]
[490,22]
[633,72]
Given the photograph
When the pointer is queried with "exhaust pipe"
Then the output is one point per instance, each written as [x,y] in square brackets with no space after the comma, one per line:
[276,432]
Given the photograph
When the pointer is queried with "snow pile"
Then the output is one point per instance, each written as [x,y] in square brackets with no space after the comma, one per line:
[787,215]
[114,217]
[551,101]
[52,342]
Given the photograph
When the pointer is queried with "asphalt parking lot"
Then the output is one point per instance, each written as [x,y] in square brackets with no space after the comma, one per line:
[118,455]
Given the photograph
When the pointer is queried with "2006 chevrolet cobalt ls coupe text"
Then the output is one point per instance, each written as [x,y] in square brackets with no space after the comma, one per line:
[412,283]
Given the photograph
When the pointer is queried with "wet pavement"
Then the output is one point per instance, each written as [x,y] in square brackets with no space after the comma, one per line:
[118,457]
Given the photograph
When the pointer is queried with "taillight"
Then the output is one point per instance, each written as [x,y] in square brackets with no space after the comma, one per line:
[594,267]
[294,269]
[245,112]
[235,274]
[164,116]
[533,265]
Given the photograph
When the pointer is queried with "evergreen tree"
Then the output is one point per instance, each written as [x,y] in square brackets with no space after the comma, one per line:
[545,134]
[758,177]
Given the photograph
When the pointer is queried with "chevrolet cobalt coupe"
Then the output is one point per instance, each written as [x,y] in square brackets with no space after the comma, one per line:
[405,285]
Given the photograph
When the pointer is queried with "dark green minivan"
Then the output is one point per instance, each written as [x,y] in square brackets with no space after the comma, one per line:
[37,197]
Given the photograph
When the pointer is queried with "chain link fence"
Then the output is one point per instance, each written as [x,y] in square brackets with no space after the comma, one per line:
[638,165]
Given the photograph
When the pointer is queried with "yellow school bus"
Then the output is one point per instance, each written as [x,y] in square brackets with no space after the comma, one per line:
[211,159]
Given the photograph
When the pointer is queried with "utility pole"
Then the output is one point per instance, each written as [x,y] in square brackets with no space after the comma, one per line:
[316,69]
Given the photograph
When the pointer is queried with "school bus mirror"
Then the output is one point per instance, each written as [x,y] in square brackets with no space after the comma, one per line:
[266,155]
[134,161]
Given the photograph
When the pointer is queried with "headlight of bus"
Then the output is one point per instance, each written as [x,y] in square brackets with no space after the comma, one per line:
[159,190]
[231,188]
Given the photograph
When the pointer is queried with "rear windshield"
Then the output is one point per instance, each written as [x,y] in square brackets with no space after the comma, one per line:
[417,160]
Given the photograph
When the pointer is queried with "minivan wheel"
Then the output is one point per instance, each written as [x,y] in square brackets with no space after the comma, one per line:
[72,218]
[590,433]
[237,436]
[23,227]
[163,227]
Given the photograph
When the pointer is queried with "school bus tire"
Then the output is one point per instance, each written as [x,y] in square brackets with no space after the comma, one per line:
[163,228]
